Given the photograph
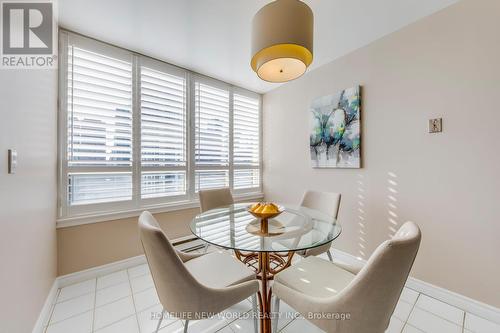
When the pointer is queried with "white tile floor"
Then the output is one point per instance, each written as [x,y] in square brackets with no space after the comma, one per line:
[123,302]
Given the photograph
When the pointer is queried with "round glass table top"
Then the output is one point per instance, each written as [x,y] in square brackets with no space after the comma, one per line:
[233,227]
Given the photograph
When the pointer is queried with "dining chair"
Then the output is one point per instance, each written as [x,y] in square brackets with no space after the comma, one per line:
[194,286]
[341,298]
[327,203]
[210,199]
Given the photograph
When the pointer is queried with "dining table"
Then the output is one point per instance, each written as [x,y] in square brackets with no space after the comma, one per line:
[267,246]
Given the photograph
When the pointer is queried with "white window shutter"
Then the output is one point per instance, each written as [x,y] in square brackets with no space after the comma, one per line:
[246,141]
[163,133]
[211,137]
[99,134]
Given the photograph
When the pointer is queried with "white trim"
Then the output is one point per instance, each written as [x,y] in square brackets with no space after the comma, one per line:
[94,272]
[465,303]
[43,318]
[170,207]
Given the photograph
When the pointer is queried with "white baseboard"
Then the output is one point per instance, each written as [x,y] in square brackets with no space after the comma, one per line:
[94,272]
[44,316]
[91,273]
[465,303]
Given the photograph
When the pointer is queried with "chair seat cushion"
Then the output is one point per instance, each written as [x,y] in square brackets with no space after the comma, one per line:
[219,269]
[315,277]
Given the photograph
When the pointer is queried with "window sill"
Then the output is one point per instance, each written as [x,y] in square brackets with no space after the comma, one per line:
[105,217]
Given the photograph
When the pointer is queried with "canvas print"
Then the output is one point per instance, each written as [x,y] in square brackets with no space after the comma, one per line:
[335,138]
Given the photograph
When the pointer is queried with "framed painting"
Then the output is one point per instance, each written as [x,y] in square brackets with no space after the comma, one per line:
[335,135]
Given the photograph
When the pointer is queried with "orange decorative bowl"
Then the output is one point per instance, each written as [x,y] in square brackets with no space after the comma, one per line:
[265,216]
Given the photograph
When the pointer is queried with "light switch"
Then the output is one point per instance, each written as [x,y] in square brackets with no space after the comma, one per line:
[436,125]
[12,161]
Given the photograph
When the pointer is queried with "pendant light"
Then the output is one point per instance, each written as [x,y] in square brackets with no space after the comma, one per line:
[282,40]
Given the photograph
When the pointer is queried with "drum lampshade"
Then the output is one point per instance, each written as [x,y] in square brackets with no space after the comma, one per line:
[282,40]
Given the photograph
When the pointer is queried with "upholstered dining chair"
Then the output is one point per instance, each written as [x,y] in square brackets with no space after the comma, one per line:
[194,286]
[339,298]
[210,199]
[327,203]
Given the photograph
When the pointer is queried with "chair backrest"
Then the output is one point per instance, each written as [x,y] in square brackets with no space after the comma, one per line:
[210,199]
[177,289]
[373,294]
[325,202]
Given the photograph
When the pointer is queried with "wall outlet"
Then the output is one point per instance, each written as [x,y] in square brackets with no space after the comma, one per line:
[12,156]
[436,125]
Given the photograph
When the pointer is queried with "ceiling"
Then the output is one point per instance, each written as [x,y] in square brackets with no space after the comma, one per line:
[212,37]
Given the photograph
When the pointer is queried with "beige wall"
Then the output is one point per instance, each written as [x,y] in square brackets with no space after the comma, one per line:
[446,65]
[28,123]
[95,244]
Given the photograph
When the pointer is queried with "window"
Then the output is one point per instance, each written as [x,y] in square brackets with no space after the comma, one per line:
[211,137]
[139,133]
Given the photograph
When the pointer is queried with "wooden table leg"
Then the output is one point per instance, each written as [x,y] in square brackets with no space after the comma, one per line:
[265,293]
[265,273]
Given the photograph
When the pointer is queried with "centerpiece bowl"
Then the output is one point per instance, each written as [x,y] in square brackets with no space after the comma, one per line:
[262,226]
[265,216]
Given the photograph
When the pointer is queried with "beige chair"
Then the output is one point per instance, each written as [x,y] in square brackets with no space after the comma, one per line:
[194,286]
[210,199]
[324,292]
[327,203]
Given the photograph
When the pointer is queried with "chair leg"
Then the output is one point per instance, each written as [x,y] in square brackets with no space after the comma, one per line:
[206,248]
[159,322]
[329,253]
[255,313]
[276,311]
[186,323]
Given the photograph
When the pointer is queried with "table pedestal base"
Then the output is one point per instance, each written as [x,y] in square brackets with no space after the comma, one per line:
[266,265]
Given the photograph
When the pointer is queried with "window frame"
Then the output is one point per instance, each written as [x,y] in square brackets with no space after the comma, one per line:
[68,215]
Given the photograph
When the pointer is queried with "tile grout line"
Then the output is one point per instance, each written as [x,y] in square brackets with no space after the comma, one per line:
[93,310]
[70,317]
[409,303]
[449,321]
[409,315]
[288,324]
[117,300]
[76,296]
[418,329]
[72,298]
[456,307]
[52,307]
[122,297]
[133,301]
[463,319]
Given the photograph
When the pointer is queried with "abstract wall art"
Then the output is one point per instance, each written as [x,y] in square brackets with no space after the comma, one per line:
[335,138]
